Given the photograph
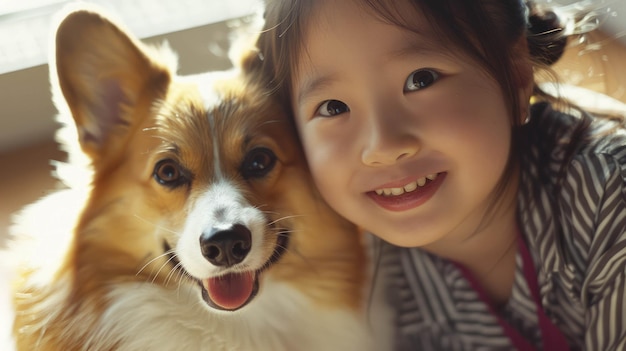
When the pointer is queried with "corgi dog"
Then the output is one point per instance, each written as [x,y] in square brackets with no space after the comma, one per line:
[189,220]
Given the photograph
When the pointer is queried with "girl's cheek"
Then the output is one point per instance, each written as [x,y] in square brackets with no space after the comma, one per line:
[325,141]
[320,151]
[308,141]
[315,148]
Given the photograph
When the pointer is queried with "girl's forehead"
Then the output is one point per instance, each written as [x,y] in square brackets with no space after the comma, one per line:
[329,19]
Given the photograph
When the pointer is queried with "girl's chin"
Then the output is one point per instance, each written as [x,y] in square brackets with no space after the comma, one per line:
[406,234]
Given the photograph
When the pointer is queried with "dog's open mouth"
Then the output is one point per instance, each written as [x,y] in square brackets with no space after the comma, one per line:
[232,291]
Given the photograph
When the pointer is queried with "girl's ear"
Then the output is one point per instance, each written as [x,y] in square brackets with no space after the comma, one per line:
[524,75]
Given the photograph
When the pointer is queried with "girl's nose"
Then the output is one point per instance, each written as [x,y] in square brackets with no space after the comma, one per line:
[388,141]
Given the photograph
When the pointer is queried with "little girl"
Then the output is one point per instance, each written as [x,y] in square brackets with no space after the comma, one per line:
[501,209]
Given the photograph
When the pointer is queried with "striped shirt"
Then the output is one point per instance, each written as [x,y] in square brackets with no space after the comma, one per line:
[572,215]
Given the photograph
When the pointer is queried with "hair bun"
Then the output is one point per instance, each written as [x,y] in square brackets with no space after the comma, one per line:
[546,38]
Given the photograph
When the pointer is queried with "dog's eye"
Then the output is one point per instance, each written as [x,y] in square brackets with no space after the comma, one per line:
[258,162]
[169,173]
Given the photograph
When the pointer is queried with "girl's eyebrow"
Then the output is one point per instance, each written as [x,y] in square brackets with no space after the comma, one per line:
[315,83]
[417,45]
[413,50]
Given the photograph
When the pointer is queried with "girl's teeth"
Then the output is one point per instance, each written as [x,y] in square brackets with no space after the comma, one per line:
[410,187]
[407,188]
[397,191]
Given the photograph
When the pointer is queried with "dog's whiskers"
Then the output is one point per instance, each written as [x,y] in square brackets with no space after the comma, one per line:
[279,231]
[163,265]
[156,225]
[178,274]
[151,261]
[284,218]
[172,272]
[268,213]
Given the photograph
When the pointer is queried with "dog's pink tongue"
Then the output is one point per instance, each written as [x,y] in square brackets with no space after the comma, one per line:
[230,291]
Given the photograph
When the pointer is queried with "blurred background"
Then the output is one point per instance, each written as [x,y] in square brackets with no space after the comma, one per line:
[198,30]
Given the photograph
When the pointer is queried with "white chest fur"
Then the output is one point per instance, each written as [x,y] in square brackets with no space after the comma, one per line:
[151,318]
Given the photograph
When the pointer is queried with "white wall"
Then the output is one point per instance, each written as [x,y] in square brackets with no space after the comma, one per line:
[27,113]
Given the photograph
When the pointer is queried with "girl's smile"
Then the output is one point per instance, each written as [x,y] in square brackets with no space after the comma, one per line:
[405,187]
[408,196]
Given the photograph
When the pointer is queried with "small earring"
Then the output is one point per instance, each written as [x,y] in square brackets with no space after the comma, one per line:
[527,118]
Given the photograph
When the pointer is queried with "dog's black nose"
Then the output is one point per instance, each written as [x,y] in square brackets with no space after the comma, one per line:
[226,247]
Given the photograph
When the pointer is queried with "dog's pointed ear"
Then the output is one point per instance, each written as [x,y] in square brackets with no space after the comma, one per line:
[106,78]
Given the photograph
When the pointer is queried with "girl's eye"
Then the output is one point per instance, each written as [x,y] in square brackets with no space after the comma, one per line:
[330,108]
[420,79]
